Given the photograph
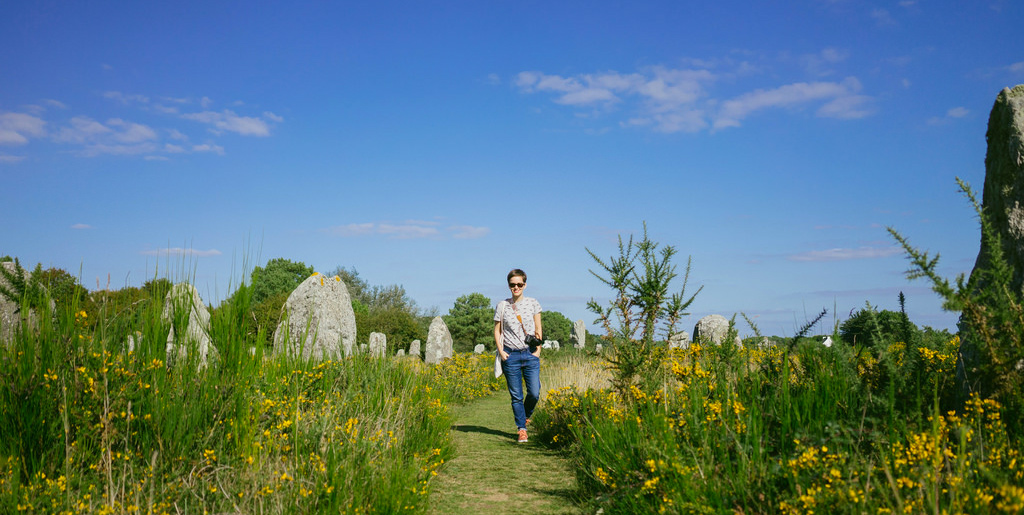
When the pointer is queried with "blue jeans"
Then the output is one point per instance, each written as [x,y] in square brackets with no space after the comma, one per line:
[519,367]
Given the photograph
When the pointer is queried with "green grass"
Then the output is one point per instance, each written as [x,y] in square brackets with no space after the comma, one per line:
[840,430]
[88,427]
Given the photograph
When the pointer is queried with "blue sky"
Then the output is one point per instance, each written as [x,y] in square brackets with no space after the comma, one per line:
[436,145]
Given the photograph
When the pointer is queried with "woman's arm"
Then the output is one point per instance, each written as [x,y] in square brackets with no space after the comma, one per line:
[497,340]
[538,331]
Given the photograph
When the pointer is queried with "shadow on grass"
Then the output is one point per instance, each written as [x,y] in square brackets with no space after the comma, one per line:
[481,429]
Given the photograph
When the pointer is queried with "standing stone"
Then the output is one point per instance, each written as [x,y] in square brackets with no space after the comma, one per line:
[400,353]
[414,348]
[1003,205]
[680,340]
[323,305]
[188,315]
[479,349]
[378,344]
[10,316]
[599,347]
[439,342]
[712,328]
[579,334]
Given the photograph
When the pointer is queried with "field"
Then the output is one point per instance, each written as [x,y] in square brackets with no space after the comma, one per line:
[88,425]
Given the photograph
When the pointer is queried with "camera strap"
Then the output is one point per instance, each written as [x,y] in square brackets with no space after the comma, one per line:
[520,318]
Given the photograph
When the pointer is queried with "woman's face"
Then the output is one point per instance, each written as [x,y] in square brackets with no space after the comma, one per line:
[517,285]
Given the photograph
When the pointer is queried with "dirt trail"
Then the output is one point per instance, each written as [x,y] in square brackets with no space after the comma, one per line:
[493,474]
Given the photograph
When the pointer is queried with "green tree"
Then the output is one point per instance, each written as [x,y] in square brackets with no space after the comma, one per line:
[640,276]
[872,328]
[280,275]
[64,288]
[471,321]
[556,326]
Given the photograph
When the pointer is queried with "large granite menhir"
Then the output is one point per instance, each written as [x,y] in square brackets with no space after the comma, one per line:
[317,320]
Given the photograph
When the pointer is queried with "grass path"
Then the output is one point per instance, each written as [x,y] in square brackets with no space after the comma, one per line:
[493,474]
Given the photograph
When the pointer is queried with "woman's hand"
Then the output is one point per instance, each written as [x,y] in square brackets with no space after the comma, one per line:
[503,354]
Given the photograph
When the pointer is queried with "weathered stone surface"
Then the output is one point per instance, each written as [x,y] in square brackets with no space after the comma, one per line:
[8,307]
[599,347]
[550,344]
[1003,204]
[190,324]
[10,315]
[439,342]
[680,340]
[579,334]
[479,349]
[414,348]
[323,305]
[1003,197]
[378,344]
[400,353]
[712,328]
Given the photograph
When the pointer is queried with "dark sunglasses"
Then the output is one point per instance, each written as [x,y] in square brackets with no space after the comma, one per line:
[516,285]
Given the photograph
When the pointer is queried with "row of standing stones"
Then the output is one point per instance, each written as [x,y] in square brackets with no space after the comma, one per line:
[319,322]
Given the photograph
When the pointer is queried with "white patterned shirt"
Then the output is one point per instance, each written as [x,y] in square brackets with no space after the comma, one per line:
[512,335]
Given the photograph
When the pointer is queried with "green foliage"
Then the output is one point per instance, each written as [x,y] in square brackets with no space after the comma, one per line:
[470,322]
[280,275]
[23,288]
[556,326]
[871,328]
[382,309]
[640,276]
[991,315]
[63,288]
[87,427]
[788,429]
[398,325]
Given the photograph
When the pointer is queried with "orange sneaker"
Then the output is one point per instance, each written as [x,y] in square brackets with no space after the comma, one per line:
[522,436]
[527,422]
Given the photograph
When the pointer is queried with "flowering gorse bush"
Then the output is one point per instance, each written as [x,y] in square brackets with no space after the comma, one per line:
[90,426]
[765,430]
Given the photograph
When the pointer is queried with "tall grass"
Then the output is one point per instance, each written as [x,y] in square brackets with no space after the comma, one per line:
[88,426]
[770,430]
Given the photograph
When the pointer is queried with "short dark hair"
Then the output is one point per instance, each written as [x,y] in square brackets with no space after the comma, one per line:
[517,273]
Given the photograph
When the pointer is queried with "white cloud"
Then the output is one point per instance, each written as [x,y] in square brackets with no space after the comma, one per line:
[9,159]
[679,100]
[126,99]
[227,120]
[845,254]
[116,137]
[957,112]
[179,251]
[1017,67]
[175,134]
[882,17]
[205,102]
[352,230]
[842,102]
[272,117]
[17,128]
[951,114]
[81,130]
[57,104]
[468,232]
[81,226]
[410,229]
[156,158]
[209,147]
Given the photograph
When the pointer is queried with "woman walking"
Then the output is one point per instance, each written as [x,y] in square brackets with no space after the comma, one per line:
[515,319]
